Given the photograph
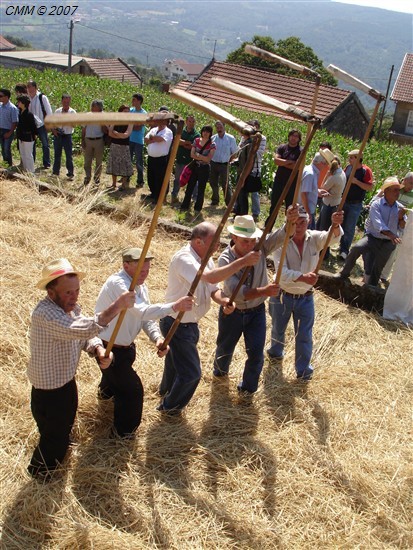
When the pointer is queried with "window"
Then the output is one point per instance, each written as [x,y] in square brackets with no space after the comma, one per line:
[409,124]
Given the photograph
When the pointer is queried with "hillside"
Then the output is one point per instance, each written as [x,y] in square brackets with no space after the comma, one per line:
[358,39]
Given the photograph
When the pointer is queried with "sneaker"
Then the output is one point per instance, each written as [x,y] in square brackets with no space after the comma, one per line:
[306,377]
[140,184]
[275,358]
[343,255]
[169,412]
[174,199]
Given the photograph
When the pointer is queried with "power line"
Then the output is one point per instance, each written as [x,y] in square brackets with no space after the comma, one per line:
[142,43]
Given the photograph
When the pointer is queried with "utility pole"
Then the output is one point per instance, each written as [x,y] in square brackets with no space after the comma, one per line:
[385,101]
[69,61]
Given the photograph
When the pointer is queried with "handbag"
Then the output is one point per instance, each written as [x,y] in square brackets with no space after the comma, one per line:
[189,169]
[186,174]
[253,184]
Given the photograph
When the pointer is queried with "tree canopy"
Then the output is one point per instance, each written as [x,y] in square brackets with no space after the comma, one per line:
[291,48]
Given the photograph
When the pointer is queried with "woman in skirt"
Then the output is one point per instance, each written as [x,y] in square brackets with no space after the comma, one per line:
[119,161]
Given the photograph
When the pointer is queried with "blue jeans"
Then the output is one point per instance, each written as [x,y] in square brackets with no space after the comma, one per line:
[255,203]
[351,215]
[63,142]
[182,371]
[136,150]
[44,140]
[6,146]
[302,309]
[250,323]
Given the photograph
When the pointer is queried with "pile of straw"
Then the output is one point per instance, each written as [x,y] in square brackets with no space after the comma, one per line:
[322,465]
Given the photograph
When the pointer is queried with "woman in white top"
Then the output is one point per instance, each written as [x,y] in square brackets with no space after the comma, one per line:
[331,191]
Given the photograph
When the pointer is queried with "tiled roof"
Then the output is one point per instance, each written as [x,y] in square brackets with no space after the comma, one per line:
[403,89]
[6,45]
[294,91]
[114,69]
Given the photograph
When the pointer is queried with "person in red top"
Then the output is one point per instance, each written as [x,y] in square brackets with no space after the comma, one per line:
[202,152]
[362,182]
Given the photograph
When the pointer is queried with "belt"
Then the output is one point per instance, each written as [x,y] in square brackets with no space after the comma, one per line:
[117,345]
[219,162]
[256,308]
[101,137]
[353,202]
[298,296]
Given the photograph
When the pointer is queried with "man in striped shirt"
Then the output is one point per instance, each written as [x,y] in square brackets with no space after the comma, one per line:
[59,332]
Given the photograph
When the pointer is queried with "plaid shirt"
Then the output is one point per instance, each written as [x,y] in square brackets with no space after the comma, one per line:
[56,340]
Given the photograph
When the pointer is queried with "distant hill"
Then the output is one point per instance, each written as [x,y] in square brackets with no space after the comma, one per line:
[363,41]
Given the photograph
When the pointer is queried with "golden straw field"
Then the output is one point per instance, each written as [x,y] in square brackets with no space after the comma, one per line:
[303,466]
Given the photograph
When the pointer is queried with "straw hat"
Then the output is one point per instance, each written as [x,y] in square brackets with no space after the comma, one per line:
[134,254]
[327,155]
[57,269]
[391,181]
[244,226]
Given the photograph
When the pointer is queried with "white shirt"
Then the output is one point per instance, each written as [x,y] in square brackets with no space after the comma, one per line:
[296,265]
[334,184]
[36,108]
[66,129]
[182,271]
[141,316]
[159,148]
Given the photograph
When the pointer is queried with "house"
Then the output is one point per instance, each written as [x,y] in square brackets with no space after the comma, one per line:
[5,45]
[340,110]
[113,69]
[178,69]
[402,94]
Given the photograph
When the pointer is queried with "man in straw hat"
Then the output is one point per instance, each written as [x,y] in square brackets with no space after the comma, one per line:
[386,218]
[59,332]
[296,295]
[119,379]
[182,371]
[248,318]
[362,182]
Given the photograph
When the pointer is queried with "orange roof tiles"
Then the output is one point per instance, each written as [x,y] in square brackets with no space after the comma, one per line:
[403,89]
[294,91]
[114,69]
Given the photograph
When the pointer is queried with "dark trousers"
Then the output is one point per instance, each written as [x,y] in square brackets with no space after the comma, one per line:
[200,176]
[182,371]
[63,142]
[324,221]
[122,382]
[44,140]
[54,412]
[276,193]
[6,146]
[136,150]
[251,324]
[156,173]
[219,177]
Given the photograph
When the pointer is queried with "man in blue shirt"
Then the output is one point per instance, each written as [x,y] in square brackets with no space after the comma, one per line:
[386,218]
[9,117]
[136,139]
[226,149]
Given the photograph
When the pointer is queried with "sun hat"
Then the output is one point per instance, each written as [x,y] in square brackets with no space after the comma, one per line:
[328,155]
[353,152]
[56,269]
[244,226]
[134,254]
[391,181]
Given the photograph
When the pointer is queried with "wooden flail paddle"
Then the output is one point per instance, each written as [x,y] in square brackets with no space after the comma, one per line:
[107,119]
[349,79]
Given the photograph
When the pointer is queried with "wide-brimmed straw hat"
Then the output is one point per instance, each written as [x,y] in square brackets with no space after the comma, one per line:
[244,226]
[391,181]
[328,155]
[56,269]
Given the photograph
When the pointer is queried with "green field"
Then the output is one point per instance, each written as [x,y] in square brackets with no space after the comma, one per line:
[384,158]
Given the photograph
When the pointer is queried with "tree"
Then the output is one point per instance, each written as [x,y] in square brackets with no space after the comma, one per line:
[291,48]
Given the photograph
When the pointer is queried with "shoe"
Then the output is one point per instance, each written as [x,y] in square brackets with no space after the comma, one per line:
[214,203]
[103,395]
[70,176]
[140,184]
[343,256]
[86,181]
[275,358]
[341,276]
[255,218]
[219,374]
[305,377]
[169,412]
[244,393]
[174,199]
